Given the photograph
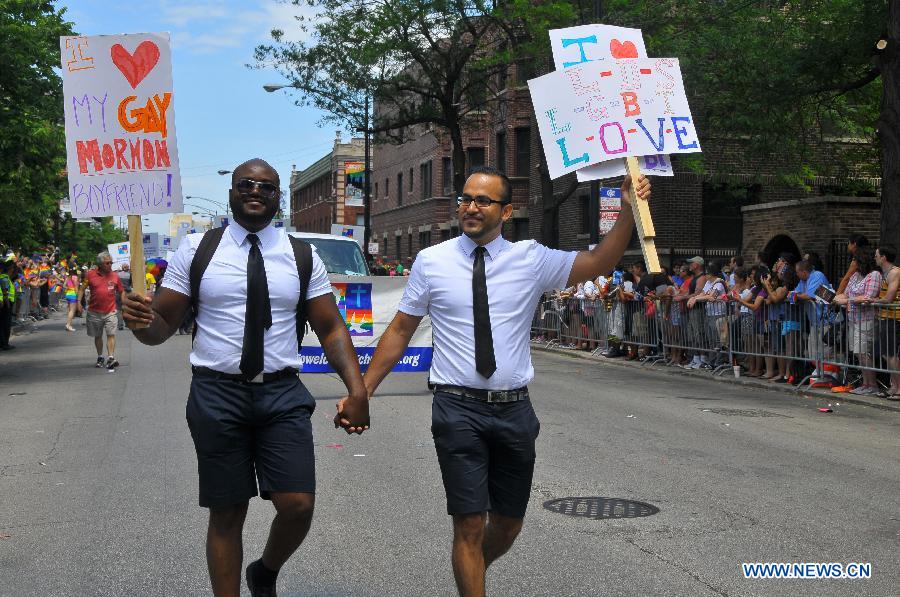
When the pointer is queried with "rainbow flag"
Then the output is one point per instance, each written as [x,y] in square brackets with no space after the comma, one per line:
[44,269]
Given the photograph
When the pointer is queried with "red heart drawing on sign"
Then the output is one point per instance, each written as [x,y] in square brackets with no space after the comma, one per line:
[138,65]
[622,50]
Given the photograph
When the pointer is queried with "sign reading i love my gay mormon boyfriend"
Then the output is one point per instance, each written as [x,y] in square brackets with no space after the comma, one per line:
[120,125]
[597,112]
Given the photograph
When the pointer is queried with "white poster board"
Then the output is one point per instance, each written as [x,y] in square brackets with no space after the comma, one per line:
[121,254]
[604,45]
[152,246]
[121,153]
[636,107]
[355,232]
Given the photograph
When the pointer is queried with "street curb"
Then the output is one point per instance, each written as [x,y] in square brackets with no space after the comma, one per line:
[746,382]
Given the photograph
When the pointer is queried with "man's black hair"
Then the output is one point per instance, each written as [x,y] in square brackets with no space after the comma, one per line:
[889,252]
[506,189]
[738,261]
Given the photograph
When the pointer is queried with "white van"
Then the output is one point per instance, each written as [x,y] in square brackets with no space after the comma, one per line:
[341,255]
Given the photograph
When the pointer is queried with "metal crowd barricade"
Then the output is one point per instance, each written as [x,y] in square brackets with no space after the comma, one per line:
[861,346]
[570,323]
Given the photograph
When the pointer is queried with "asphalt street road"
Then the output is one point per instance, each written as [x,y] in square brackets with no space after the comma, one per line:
[98,485]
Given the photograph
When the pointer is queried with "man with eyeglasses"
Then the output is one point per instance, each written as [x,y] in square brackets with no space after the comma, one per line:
[248,412]
[481,292]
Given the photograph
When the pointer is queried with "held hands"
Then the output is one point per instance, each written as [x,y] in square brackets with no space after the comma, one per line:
[136,310]
[641,189]
[352,414]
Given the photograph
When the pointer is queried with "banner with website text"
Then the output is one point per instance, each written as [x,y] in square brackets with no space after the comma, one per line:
[121,154]
[368,304]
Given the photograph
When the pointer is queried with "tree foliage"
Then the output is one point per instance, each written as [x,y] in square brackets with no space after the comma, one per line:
[32,146]
[422,61]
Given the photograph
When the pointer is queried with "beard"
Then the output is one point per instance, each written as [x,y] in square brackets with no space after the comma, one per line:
[254,219]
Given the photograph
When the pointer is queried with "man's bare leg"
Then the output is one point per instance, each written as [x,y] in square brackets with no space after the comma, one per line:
[98,344]
[289,528]
[110,345]
[224,549]
[499,535]
[468,557]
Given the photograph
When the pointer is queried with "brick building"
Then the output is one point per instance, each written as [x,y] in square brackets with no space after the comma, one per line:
[330,191]
[413,200]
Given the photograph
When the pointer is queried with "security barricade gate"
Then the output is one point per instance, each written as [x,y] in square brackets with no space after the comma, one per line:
[802,344]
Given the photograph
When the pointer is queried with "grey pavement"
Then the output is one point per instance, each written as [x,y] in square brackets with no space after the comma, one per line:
[98,485]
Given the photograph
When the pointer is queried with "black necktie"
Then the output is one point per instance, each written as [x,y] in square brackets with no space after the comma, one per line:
[258,316]
[484,339]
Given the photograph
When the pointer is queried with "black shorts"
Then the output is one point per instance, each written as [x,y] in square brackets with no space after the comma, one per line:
[244,431]
[486,453]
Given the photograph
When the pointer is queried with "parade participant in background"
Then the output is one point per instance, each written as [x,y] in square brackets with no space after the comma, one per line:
[483,423]
[71,287]
[248,412]
[104,284]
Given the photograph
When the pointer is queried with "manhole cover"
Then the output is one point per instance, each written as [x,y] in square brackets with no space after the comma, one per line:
[743,412]
[600,507]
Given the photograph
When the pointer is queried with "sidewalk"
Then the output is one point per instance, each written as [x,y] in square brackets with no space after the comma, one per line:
[825,397]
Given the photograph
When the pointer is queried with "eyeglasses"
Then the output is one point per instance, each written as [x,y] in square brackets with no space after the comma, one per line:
[266,189]
[480,201]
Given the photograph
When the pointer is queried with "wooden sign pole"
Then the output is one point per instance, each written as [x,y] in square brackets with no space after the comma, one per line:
[138,268]
[643,220]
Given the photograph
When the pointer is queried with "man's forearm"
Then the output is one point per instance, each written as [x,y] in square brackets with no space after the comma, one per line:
[342,357]
[389,350]
[156,333]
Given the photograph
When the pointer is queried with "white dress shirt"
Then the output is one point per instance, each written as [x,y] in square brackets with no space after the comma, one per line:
[517,275]
[223,297]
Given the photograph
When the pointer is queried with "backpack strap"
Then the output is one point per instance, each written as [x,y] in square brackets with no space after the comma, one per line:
[303,258]
[204,254]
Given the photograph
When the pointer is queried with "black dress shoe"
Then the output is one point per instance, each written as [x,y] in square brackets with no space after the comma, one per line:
[257,590]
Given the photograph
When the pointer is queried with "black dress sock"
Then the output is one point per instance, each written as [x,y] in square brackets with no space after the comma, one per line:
[263,575]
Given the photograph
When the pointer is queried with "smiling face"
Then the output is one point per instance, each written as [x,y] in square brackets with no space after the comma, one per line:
[483,224]
[251,196]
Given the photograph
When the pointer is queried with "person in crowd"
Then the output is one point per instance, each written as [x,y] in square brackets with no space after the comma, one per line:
[791,326]
[678,267]
[125,276]
[592,308]
[104,285]
[695,317]
[72,285]
[815,260]
[816,312]
[715,309]
[675,314]
[741,328]
[652,288]
[248,412]
[736,262]
[7,300]
[625,311]
[889,315]
[864,286]
[776,294]
[755,304]
[854,242]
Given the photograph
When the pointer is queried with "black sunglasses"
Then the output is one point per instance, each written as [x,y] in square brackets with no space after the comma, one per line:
[246,185]
[480,201]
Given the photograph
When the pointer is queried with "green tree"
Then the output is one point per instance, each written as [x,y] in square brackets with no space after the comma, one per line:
[423,61]
[32,144]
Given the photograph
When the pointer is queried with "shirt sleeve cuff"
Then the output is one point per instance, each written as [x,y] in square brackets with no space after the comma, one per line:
[414,311]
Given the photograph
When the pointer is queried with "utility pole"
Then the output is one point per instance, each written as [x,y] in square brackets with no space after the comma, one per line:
[367,199]
[594,201]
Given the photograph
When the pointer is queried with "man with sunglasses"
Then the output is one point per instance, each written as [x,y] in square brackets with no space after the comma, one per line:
[248,412]
[481,292]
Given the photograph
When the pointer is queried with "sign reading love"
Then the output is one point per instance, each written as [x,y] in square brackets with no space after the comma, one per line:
[135,66]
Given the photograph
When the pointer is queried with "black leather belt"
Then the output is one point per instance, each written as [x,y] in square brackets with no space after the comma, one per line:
[261,378]
[490,396]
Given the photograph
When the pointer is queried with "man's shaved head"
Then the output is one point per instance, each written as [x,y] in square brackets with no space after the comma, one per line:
[251,164]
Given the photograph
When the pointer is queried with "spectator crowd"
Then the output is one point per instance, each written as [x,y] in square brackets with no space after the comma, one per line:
[781,321]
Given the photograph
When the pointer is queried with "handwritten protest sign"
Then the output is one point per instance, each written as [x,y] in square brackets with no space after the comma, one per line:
[593,113]
[120,126]
[604,45]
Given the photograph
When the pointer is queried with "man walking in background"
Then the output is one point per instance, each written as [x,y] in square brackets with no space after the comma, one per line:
[102,315]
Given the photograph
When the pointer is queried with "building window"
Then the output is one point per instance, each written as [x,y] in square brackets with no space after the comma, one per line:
[584,205]
[360,220]
[447,176]
[445,234]
[502,76]
[500,155]
[475,157]
[410,180]
[387,187]
[376,191]
[399,188]
[523,151]
[397,246]
[424,239]
[425,179]
[409,244]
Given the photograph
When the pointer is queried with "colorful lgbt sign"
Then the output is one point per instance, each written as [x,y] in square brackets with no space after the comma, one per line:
[609,101]
[368,304]
[120,125]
